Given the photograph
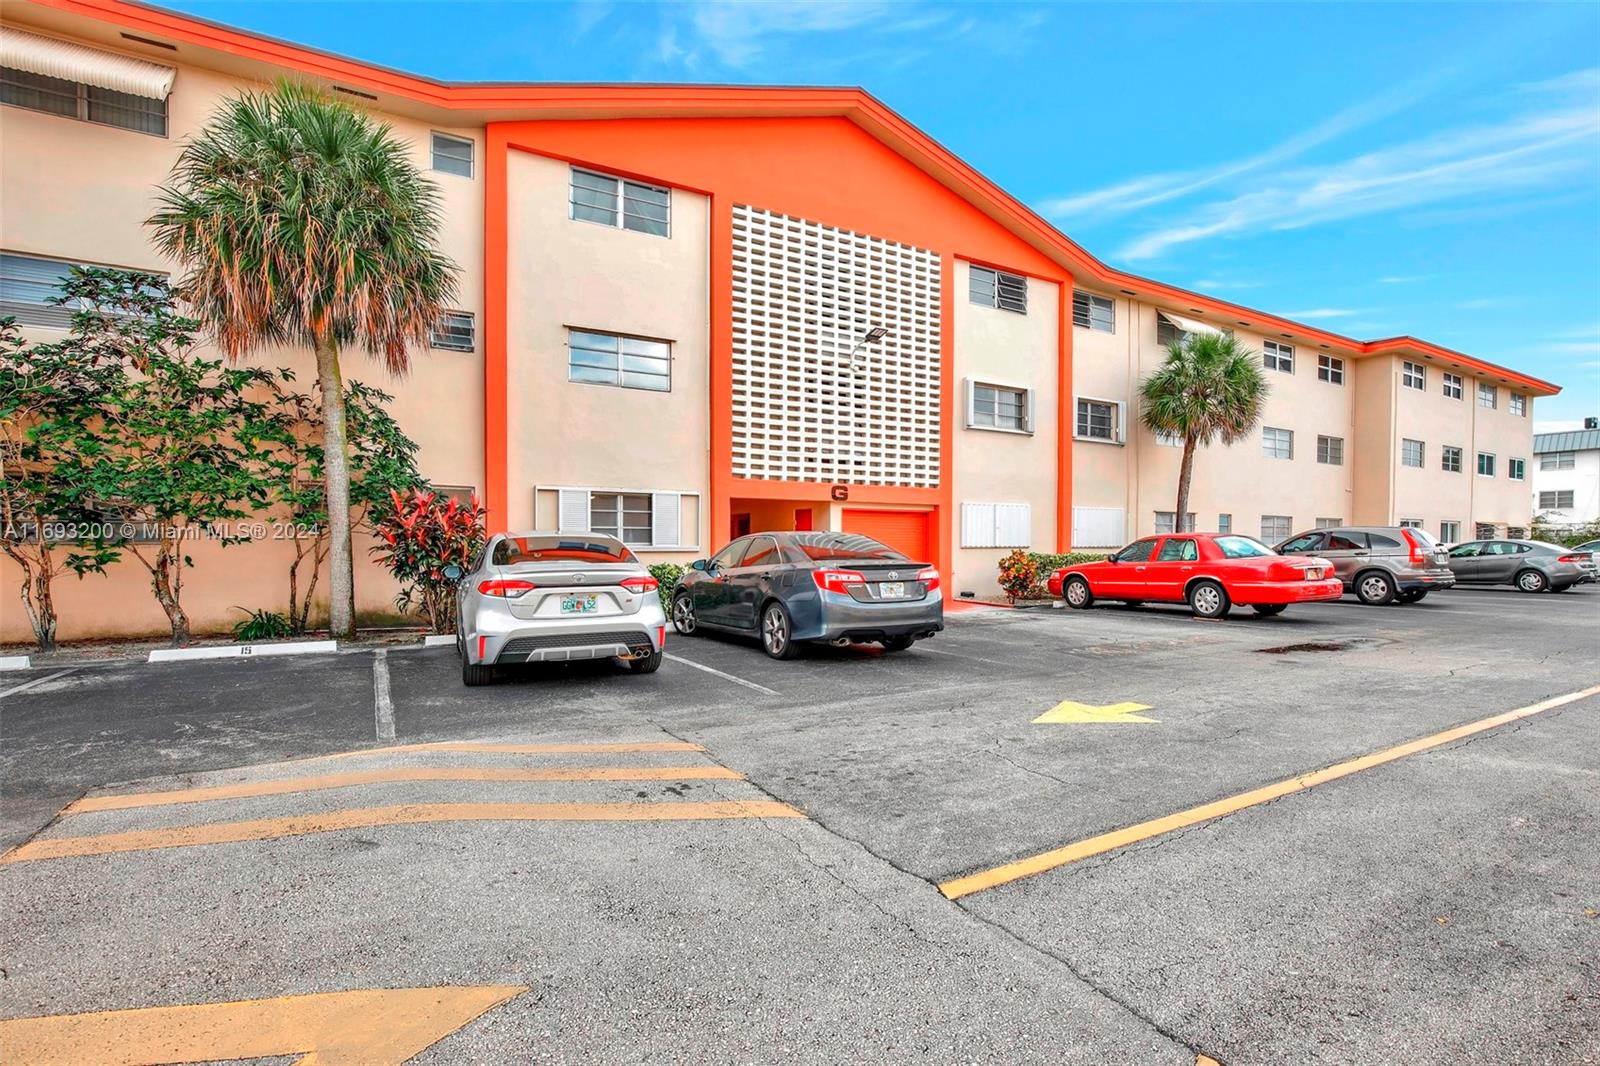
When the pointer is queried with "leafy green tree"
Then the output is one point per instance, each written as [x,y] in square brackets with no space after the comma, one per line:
[301,220]
[1210,387]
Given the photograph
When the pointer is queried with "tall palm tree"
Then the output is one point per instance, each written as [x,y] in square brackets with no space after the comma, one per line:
[1209,388]
[301,220]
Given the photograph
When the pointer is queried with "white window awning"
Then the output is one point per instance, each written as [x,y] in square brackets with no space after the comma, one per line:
[1190,325]
[52,58]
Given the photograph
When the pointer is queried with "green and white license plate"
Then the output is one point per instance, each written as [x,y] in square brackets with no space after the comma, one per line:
[891,590]
[585,603]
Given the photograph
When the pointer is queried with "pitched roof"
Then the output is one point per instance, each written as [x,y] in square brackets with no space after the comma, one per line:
[1572,440]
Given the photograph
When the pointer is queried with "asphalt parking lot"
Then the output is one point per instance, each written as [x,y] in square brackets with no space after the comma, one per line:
[832,859]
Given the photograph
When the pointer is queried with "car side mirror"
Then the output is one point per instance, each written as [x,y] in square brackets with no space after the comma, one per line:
[454,573]
[1113,559]
[701,565]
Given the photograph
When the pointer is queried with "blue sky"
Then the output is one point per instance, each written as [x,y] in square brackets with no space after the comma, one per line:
[1375,169]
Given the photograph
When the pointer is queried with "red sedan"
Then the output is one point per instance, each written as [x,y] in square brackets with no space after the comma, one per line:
[1211,572]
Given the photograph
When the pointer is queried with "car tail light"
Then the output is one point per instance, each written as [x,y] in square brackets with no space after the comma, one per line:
[1581,557]
[1417,558]
[836,580]
[661,637]
[640,584]
[929,578]
[504,588]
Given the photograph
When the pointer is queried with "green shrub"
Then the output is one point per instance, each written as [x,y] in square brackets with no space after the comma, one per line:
[1023,573]
[261,625]
[1568,536]
[667,576]
[1050,562]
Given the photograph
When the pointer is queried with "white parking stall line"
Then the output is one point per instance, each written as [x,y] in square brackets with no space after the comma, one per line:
[382,705]
[719,673]
[26,685]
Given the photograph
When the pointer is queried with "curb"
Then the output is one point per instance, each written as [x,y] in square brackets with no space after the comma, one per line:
[303,647]
[13,662]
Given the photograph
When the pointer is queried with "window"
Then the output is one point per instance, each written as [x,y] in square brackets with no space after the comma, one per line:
[1347,542]
[761,551]
[625,515]
[1330,369]
[1098,313]
[453,155]
[1410,523]
[1450,459]
[1411,452]
[1449,532]
[1277,443]
[996,288]
[1485,464]
[1559,500]
[1488,395]
[1224,523]
[1558,460]
[1099,527]
[1276,527]
[454,331]
[996,525]
[1171,329]
[90,103]
[1177,550]
[999,407]
[1275,356]
[1517,404]
[1168,440]
[1413,375]
[620,203]
[1242,548]
[637,518]
[1099,420]
[1330,450]
[512,551]
[1138,552]
[1305,542]
[1164,522]
[1516,469]
[1452,386]
[1329,523]
[1483,530]
[612,359]
[28,283]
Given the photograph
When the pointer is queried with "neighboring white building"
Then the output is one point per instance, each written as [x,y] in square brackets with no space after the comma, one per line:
[1566,474]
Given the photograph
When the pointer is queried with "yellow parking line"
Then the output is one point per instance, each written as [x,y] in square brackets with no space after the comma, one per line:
[285,786]
[519,749]
[1121,838]
[409,814]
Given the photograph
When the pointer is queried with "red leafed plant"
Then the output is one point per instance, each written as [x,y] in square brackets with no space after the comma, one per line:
[421,533]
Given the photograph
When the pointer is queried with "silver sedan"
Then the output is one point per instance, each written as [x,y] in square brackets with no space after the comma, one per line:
[1529,565]
[555,597]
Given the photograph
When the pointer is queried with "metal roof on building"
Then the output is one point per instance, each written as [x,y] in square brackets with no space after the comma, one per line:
[1573,440]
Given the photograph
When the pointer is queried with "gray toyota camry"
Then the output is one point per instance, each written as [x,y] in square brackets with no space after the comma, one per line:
[791,589]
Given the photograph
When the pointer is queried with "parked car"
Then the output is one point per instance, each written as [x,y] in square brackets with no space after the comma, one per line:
[1593,548]
[554,597]
[1380,564]
[1208,571]
[793,588]
[1530,565]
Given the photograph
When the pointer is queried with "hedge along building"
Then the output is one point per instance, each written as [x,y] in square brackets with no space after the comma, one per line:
[687,311]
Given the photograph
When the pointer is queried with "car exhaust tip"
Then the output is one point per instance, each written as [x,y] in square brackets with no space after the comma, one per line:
[842,642]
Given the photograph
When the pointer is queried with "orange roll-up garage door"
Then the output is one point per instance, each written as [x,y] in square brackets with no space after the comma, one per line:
[905,530]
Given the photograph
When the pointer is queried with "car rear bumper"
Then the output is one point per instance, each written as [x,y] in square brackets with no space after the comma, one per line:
[841,617]
[501,639]
[1424,580]
[1253,592]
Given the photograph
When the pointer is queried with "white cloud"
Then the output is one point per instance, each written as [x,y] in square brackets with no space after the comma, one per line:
[1584,83]
[1404,279]
[1220,284]
[740,34]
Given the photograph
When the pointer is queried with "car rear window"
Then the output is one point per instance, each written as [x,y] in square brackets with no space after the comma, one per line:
[1242,548]
[835,547]
[1423,537]
[514,551]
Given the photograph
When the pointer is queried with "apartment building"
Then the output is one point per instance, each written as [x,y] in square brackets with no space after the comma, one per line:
[1566,473]
[690,311]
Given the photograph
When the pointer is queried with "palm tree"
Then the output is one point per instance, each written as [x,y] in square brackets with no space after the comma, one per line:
[1210,387]
[301,220]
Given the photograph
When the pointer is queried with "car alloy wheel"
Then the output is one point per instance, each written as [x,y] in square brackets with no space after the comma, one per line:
[1208,600]
[1077,595]
[1375,590]
[683,619]
[1531,581]
[775,632]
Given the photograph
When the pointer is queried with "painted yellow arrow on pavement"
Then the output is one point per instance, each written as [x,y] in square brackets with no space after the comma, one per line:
[1068,711]
[364,1027]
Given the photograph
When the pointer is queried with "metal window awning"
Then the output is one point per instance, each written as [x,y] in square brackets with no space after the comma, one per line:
[1190,325]
[52,58]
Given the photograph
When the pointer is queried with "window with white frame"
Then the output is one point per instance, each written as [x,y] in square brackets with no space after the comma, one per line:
[1330,450]
[1276,528]
[1517,405]
[1411,452]
[1275,356]
[1277,443]
[1452,386]
[1224,523]
[1516,469]
[1557,500]
[620,203]
[1327,522]
[1410,523]
[999,407]
[1168,440]
[613,359]
[452,155]
[1330,369]
[142,112]
[1449,532]
[1164,522]
[1413,375]
[1450,459]
[1098,313]
[1558,460]
[996,525]
[625,515]
[996,288]
[1486,464]
[453,331]
[638,519]
[1488,395]
[1099,420]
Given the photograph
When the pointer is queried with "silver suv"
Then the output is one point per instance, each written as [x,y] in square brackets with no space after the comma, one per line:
[1380,564]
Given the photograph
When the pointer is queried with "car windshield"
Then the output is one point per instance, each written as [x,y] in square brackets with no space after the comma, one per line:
[515,551]
[1242,548]
[834,547]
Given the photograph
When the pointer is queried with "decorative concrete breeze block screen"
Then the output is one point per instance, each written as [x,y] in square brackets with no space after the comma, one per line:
[806,405]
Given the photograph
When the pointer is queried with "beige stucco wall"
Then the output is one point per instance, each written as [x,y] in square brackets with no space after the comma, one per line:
[999,347]
[80,191]
[565,273]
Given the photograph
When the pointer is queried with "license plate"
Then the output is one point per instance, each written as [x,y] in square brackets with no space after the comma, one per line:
[1313,573]
[891,590]
[579,604]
